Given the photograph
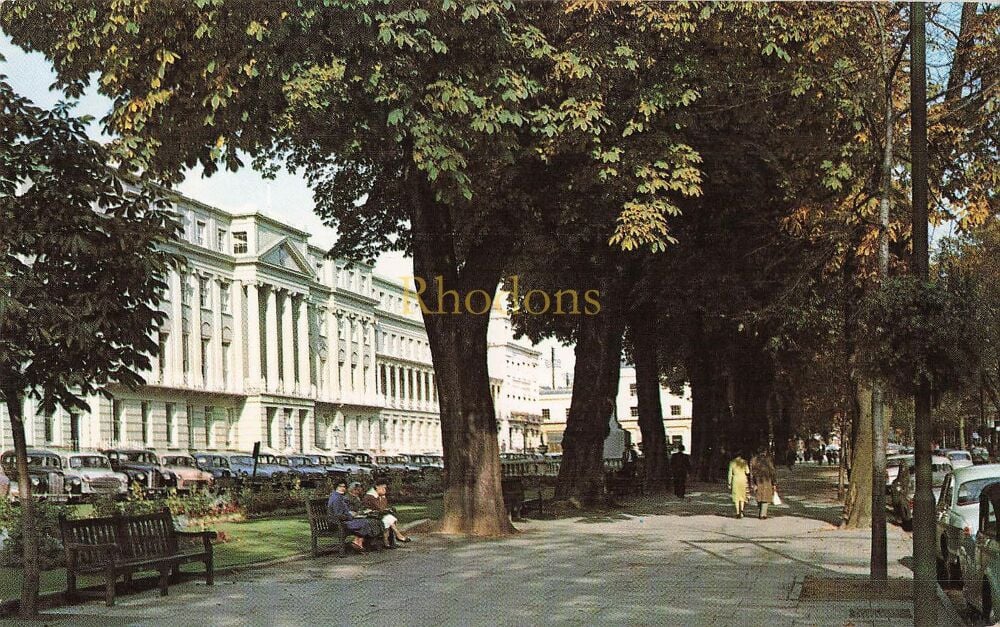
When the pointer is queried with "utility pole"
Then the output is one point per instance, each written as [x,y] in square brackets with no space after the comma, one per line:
[924,593]
[552,360]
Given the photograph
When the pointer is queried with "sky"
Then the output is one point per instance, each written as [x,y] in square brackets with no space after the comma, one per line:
[286,197]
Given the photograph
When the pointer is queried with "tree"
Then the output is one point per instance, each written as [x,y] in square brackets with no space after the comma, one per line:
[80,275]
[416,128]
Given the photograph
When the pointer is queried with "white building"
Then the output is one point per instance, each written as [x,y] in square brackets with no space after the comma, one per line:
[513,367]
[265,340]
[555,403]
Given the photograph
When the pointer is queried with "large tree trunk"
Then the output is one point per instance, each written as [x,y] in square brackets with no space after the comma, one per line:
[595,386]
[29,586]
[473,499]
[647,380]
[858,504]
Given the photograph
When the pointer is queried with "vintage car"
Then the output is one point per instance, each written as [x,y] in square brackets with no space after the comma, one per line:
[903,487]
[981,564]
[308,473]
[349,462]
[185,468]
[143,469]
[330,465]
[215,463]
[242,466]
[396,462]
[89,474]
[45,468]
[425,462]
[958,515]
[959,459]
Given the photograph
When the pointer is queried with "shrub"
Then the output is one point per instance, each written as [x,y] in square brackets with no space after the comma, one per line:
[50,548]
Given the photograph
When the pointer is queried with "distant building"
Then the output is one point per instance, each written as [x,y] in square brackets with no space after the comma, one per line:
[513,366]
[555,403]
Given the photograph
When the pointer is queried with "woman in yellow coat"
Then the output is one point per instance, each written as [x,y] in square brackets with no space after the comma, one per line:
[738,481]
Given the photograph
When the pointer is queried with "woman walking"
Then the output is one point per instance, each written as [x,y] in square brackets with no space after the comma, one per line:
[764,477]
[737,481]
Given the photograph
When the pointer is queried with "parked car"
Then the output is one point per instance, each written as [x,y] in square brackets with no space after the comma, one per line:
[215,463]
[45,469]
[301,467]
[89,474]
[363,459]
[958,515]
[905,485]
[143,469]
[425,462]
[892,465]
[348,461]
[242,466]
[330,465]
[396,462]
[959,459]
[185,468]
[981,566]
[980,455]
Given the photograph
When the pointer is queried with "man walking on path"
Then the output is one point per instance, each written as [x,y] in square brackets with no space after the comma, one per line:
[680,465]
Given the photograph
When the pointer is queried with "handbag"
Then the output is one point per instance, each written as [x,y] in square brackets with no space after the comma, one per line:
[775,499]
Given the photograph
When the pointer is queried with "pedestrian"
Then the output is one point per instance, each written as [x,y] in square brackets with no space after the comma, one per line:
[790,454]
[738,482]
[338,509]
[680,466]
[764,477]
[377,501]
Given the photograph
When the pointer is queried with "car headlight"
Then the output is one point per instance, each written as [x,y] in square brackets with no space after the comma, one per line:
[141,476]
[74,481]
[35,481]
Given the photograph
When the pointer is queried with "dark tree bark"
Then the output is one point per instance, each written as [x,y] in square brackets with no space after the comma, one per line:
[647,378]
[29,525]
[473,499]
[595,386]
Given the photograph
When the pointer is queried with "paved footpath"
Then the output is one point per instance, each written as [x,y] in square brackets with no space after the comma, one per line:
[664,562]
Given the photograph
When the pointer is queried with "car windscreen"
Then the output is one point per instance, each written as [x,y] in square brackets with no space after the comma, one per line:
[969,491]
[344,459]
[959,456]
[137,457]
[89,461]
[241,459]
[178,461]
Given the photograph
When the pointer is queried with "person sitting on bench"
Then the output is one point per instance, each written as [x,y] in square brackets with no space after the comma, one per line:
[376,500]
[337,509]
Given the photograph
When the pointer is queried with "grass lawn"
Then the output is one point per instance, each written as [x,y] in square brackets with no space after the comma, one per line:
[249,542]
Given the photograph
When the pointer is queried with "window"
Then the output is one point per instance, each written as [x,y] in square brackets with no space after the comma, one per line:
[240,243]
[220,240]
[231,428]
[47,421]
[117,418]
[675,410]
[204,295]
[226,357]
[224,297]
[210,426]
[631,389]
[545,414]
[199,233]
[186,352]
[171,425]
[162,359]
[204,360]
[634,412]
[145,422]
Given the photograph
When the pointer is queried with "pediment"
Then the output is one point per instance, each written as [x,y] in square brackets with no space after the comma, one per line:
[284,255]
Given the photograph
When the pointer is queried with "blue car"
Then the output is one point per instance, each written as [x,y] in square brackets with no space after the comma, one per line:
[302,467]
[241,465]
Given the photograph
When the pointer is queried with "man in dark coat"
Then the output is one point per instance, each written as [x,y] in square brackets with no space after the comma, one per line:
[680,466]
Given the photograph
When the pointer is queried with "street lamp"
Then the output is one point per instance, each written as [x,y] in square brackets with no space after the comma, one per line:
[288,434]
[336,437]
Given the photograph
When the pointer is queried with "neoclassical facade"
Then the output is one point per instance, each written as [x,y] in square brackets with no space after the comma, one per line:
[266,341]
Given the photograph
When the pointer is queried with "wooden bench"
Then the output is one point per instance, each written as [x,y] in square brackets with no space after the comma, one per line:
[320,526]
[623,484]
[513,495]
[123,545]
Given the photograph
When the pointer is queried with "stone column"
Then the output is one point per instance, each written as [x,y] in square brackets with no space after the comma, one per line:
[195,336]
[305,386]
[238,357]
[215,367]
[333,355]
[308,437]
[271,339]
[174,366]
[371,391]
[287,347]
[253,336]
